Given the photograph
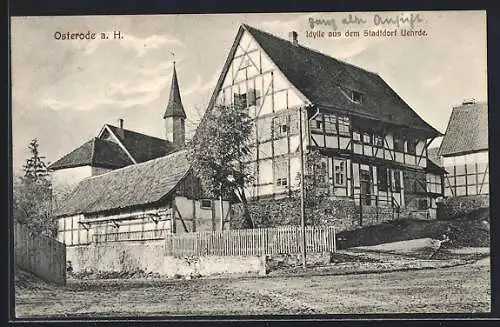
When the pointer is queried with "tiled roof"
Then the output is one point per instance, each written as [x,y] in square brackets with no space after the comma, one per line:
[97,153]
[142,147]
[174,106]
[135,185]
[467,130]
[324,81]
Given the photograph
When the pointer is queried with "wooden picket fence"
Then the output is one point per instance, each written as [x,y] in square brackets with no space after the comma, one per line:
[251,242]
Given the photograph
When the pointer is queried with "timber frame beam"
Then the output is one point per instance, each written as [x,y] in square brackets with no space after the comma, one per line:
[424,149]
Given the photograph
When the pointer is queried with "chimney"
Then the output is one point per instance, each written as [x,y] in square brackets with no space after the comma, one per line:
[121,133]
[468,101]
[293,38]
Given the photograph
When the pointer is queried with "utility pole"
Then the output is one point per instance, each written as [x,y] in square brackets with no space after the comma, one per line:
[302,205]
[221,208]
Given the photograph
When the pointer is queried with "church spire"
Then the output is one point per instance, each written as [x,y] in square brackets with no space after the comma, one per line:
[174,106]
[175,115]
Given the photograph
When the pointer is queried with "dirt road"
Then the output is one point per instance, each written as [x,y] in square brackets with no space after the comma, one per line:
[456,289]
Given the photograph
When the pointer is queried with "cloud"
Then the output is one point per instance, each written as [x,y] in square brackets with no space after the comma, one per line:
[136,89]
[433,81]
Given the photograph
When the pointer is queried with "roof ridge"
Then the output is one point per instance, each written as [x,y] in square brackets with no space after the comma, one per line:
[466,106]
[132,131]
[136,164]
[315,51]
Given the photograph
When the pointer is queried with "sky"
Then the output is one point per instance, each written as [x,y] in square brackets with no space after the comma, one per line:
[64,91]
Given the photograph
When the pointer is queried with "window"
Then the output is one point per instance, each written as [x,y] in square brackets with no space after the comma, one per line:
[322,174]
[356,96]
[422,204]
[317,124]
[281,172]
[339,172]
[396,180]
[206,204]
[280,126]
[382,178]
[253,97]
[293,124]
[240,100]
[398,144]
[412,146]
[356,136]
[367,138]
[344,127]
[378,140]
[330,124]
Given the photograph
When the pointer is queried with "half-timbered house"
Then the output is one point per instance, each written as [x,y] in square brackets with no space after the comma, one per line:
[129,186]
[464,150]
[373,145]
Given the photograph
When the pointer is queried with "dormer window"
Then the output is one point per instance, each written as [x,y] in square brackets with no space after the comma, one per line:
[356,96]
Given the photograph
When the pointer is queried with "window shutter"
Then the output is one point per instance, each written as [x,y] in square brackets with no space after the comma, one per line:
[252,97]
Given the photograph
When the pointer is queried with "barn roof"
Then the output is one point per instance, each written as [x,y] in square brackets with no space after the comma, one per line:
[140,184]
[97,153]
[467,130]
[324,81]
[142,147]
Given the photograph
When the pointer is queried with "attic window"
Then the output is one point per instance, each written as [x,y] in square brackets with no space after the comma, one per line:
[356,96]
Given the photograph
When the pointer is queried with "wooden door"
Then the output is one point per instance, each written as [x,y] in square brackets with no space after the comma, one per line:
[365,182]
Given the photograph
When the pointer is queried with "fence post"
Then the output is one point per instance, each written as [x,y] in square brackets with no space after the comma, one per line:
[360,210]
[334,240]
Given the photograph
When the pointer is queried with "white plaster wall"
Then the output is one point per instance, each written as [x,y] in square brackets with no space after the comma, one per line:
[150,257]
[71,176]
[203,216]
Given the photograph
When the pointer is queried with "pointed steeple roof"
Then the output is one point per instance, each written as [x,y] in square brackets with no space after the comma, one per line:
[174,106]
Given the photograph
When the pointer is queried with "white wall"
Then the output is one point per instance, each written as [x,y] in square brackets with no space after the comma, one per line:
[203,215]
[70,176]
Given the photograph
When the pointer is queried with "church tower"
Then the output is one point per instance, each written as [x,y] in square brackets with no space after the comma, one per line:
[174,115]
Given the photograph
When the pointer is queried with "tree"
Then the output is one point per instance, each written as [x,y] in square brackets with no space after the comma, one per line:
[35,168]
[219,154]
[316,187]
[33,194]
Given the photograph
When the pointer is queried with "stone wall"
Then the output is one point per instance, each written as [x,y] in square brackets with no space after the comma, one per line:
[373,215]
[342,213]
[454,207]
[149,257]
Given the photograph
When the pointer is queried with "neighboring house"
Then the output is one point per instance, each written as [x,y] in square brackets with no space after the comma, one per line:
[130,186]
[374,146]
[113,148]
[464,150]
